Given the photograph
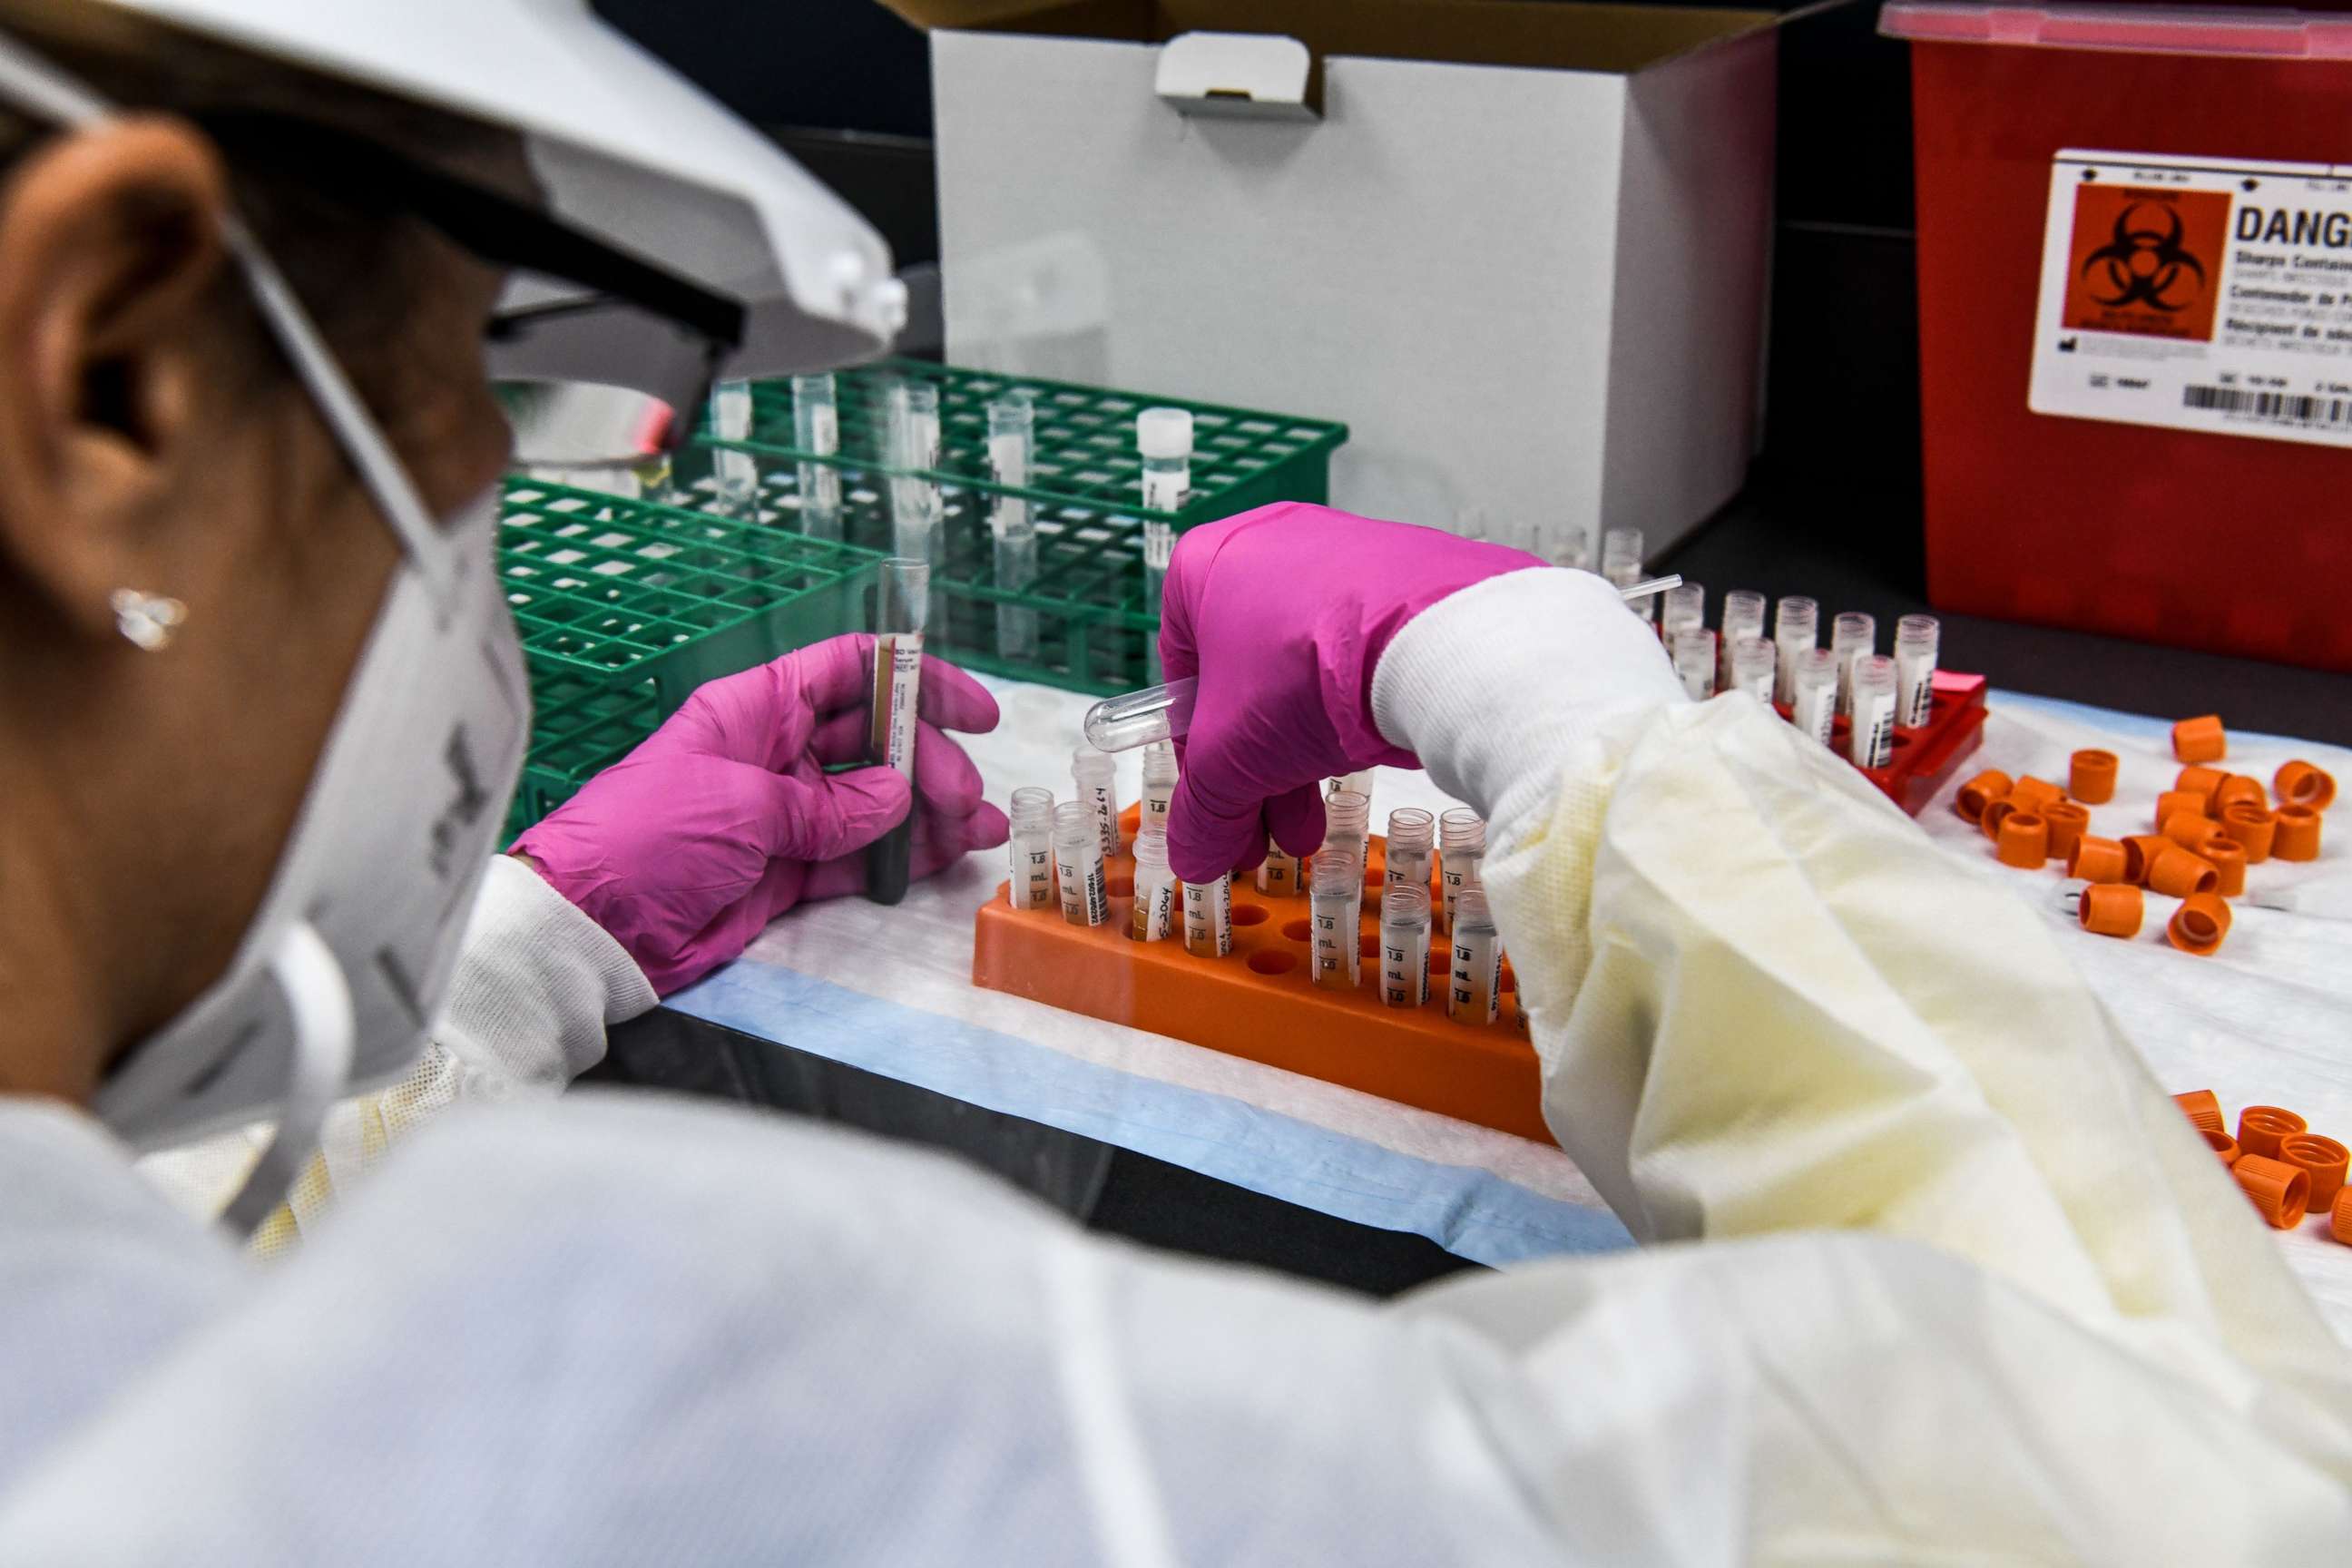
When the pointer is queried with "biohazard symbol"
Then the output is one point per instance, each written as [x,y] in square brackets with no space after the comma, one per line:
[2145,264]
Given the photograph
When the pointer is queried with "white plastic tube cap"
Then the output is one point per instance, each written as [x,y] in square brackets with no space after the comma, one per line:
[1164,432]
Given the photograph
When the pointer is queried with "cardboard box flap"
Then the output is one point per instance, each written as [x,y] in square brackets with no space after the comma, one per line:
[1533,33]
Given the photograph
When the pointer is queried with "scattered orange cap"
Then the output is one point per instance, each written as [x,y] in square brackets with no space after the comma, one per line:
[2228,858]
[2279,1190]
[2221,1143]
[2201,1106]
[2111,909]
[2262,1128]
[2238,789]
[1993,812]
[2192,830]
[1980,792]
[2300,783]
[2253,829]
[2067,820]
[2340,1223]
[2175,803]
[2140,850]
[2024,840]
[2203,780]
[2091,776]
[2297,837]
[2199,924]
[2178,873]
[2323,1160]
[2030,793]
[2096,860]
[2200,740]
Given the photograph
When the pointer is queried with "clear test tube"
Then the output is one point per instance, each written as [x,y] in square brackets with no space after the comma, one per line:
[1209,916]
[1461,856]
[1570,544]
[1852,635]
[1412,839]
[1136,719]
[1404,946]
[904,606]
[1620,563]
[1281,873]
[1348,822]
[1335,890]
[1693,650]
[1078,864]
[1158,548]
[1096,775]
[737,473]
[1754,664]
[1160,777]
[816,430]
[1030,846]
[1871,742]
[1813,709]
[913,443]
[1475,992]
[1916,640]
[1154,918]
[1743,616]
[1164,436]
[1012,427]
[1681,607]
[1795,630]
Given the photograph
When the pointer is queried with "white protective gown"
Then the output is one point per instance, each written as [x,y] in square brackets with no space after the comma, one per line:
[1938,1274]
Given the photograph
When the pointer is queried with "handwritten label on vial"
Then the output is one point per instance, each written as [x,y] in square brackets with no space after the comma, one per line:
[898,679]
[1209,918]
[1155,912]
[1476,978]
[1103,800]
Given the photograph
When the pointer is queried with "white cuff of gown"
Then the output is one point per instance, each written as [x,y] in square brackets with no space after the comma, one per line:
[537,982]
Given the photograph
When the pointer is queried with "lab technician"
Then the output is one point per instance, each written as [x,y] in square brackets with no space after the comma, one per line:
[1937,1273]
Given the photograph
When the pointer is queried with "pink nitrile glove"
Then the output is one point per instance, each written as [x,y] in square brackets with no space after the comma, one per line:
[1282,614]
[724,817]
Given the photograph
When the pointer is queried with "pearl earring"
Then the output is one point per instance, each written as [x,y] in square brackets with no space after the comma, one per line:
[147,621]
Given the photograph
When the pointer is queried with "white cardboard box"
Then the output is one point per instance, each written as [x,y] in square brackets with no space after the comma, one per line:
[1522,248]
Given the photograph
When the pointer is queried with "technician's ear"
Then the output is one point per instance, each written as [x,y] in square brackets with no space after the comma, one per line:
[110,245]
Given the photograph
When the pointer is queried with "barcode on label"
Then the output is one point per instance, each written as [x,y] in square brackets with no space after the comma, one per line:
[2287,407]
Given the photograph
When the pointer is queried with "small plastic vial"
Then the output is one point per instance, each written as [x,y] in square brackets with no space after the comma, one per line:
[737,473]
[816,430]
[913,443]
[1097,777]
[1743,616]
[1692,648]
[1011,424]
[1031,846]
[1570,544]
[1755,664]
[1412,839]
[1154,919]
[1795,630]
[1814,707]
[1852,635]
[1335,892]
[1209,916]
[1404,946]
[1164,436]
[1159,549]
[1916,640]
[1160,775]
[1280,874]
[1685,607]
[1474,989]
[1078,864]
[1620,563]
[1461,856]
[1871,742]
[1348,822]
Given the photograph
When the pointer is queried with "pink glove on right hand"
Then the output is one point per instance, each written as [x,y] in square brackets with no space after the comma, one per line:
[1283,614]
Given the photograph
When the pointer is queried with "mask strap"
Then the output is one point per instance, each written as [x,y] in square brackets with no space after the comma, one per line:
[321,1002]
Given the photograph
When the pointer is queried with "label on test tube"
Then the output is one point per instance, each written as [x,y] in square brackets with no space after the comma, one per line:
[1163,488]
[1086,892]
[1156,797]
[1277,874]
[1338,956]
[1456,872]
[1914,687]
[1872,740]
[1815,712]
[1102,799]
[1404,965]
[1035,890]
[1008,458]
[898,679]
[1155,912]
[1477,978]
[1208,917]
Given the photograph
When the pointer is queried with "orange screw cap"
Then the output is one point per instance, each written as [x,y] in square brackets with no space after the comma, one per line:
[2177,874]
[2192,830]
[2262,1128]
[2201,1106]
[2279,1190]
[2174,803]
[2340,1223]
[2297,837]
[2024,840]
[2300,783]
[2096,860]
[2252,830]
[1980,792]
[2140,851]
[2228,858]
[2067,820]
[1993,813]
[2030,793]
[2111,909]
[2323,1160]
[2203,780]
[2221,1143]
[2238,789]
[2091,776]
[2199,924]
[2200,740]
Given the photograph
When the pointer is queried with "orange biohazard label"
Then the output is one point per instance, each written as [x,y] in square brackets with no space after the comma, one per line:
[2146,261]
